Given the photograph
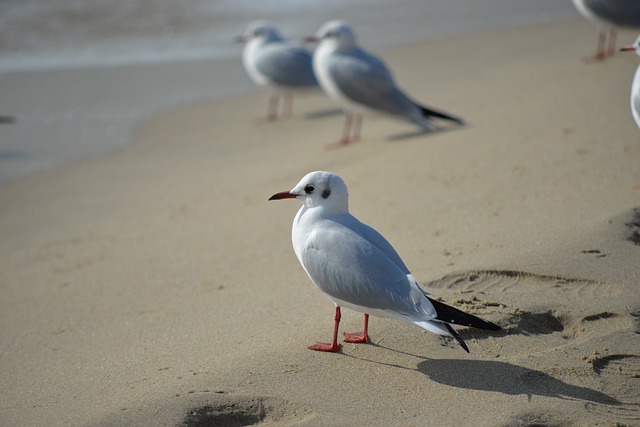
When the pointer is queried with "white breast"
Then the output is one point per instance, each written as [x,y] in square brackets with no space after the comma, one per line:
[635,97]
[321,59]
[249,62]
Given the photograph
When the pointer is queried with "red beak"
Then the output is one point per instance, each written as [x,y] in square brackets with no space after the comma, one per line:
[283,195]
[628,48]
[311,39]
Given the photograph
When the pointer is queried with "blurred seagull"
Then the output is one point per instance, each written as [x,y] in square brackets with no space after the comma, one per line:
[358,268]
[635,86]
[282,65]
[608,15]
[361,81]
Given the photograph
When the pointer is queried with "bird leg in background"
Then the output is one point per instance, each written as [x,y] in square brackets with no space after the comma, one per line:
[288,105]
[606,44]
[359,337]
[611,48]
[346,129]
[334,346]
[347,135]
[355,135]
[287,102]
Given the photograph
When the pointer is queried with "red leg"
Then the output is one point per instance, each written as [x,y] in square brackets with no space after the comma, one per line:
[598,55]
[611,45]
[334,346]
[355,135]
[359,337]
[346,131]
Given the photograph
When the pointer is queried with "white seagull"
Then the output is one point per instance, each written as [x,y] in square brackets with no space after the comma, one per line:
[281,65]
[361,81]
[635,86]
[609,15]
[357,268]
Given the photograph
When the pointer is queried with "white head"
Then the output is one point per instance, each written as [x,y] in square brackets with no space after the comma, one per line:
[635,47]
[337,33]
[260,30]
[319,189]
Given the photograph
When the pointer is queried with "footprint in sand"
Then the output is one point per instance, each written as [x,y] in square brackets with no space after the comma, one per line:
[531,304]
[600,323]
[227,411]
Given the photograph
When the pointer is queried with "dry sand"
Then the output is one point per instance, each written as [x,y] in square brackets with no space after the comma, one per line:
[157,286]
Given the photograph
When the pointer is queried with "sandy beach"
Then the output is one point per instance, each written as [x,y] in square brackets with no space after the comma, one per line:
[155,285]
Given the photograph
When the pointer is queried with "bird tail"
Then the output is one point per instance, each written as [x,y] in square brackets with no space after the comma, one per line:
[442,328]
[457,337]
[428,112]
[448,314]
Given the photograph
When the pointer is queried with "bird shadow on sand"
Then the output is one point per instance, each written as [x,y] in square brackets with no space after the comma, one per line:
[13,155]
[7,120]
[324,113]
[503,377]
[423,132]
[500,377]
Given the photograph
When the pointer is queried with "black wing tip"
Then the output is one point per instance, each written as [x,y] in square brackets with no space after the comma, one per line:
[427,112]
[457,337]
[492,327]
[478,323]
[447,314]
[483,324]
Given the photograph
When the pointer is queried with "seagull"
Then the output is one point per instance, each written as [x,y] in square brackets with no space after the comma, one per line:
[635,86]
[358,268]
[271,61]
[608,15]
[360,81]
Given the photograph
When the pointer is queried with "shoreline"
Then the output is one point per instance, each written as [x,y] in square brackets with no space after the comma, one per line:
[64,116]
[91,120]
[156,281]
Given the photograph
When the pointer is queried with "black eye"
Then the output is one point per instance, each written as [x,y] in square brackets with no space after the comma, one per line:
[309,189]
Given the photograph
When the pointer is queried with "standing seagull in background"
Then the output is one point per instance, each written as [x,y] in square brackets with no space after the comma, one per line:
[361,81]
[608,15]
[635,86]
[271,61]
[357,268]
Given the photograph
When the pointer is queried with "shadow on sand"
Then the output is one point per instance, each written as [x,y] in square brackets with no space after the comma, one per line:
[423,132]
[502,377]
[324,113]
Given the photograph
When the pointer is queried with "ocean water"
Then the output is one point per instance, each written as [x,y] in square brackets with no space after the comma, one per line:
[58,59]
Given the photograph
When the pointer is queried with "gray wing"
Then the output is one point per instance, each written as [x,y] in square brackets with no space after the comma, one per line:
[371,235]
[349,267]
[286,64]
[625,13]
[366,80]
